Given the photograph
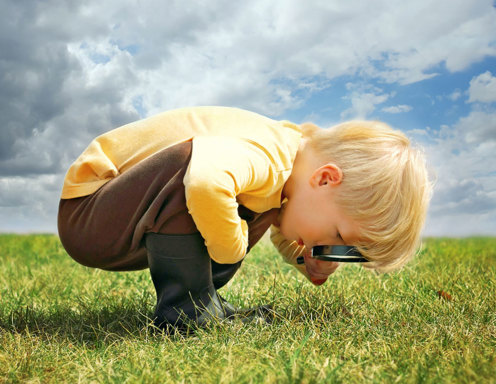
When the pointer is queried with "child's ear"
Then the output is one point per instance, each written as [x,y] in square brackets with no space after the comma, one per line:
[329,174]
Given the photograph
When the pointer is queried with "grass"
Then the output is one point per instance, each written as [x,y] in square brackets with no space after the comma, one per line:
[62,322]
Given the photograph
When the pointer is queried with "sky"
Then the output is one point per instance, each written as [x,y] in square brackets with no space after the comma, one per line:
[70,71]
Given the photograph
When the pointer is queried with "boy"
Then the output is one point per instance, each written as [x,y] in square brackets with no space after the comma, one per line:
[188,192]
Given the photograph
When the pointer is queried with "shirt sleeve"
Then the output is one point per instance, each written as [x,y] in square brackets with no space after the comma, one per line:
[220,169]
[289,250]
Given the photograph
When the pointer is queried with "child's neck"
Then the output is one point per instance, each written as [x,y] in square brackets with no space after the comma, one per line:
[304,164]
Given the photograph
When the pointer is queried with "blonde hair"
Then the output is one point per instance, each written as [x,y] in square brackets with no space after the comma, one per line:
[385,187]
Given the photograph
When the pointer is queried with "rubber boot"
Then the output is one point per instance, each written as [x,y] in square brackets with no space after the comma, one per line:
[181,272]
[221,275]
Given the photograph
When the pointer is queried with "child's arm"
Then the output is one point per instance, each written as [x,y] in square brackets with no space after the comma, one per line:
[289,250]
[222,168]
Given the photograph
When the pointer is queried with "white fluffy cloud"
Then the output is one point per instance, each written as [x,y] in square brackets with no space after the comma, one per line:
[483,88]
[257,54]
[397,109]
[455,95]
[363,104]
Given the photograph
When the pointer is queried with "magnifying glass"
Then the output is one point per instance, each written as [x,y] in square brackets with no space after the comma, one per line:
[339,253]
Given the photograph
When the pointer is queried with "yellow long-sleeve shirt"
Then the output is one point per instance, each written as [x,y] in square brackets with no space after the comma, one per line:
[238,157]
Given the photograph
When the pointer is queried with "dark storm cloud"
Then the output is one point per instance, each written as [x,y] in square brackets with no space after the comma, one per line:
[32,73]
[41,83]
[34,63]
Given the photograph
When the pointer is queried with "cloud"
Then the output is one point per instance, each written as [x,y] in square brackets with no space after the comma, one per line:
[397,109]
[46,91]
[482,88]
[455,95]
[464,159]
[29,204]
[479,128]
[70,71]
[363,104]
[461,225]
[467,196]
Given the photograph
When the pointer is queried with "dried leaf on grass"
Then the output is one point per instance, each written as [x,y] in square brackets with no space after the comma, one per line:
[444,295]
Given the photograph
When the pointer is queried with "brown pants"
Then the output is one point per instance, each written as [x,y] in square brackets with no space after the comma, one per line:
[106,229]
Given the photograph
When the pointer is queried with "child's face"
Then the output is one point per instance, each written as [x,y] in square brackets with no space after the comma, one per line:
[312,217]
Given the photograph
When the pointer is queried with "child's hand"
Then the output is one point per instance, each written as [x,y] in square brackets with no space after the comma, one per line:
[319,270]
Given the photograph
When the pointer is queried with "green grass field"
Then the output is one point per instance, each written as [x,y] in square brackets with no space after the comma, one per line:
[62,322]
